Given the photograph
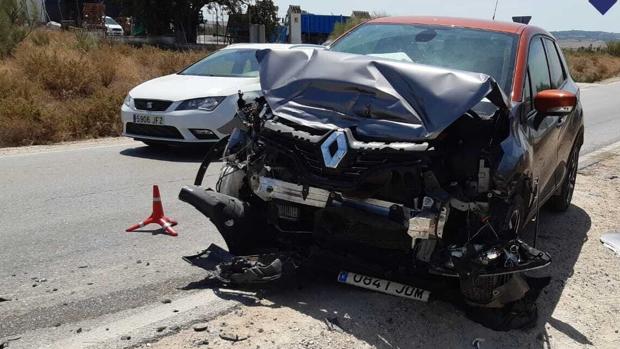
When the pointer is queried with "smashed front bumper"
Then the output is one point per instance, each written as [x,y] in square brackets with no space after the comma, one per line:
[414,227]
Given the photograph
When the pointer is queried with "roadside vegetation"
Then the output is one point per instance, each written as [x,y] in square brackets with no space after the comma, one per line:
[343,27]
[60,86]
[15,24]
[594,64]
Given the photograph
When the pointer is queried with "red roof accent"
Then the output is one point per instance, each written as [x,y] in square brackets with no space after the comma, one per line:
[506,27]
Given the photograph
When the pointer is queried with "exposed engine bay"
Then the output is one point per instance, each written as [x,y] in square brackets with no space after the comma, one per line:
[412,168]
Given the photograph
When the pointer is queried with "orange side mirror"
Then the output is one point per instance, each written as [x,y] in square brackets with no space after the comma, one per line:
[555,102]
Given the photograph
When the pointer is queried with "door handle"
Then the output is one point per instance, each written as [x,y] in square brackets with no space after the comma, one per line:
[561,121]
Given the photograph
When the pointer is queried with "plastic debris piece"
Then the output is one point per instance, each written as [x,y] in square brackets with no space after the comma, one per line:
[611,240]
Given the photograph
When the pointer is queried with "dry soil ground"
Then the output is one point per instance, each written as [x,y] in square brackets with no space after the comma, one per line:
[580,308]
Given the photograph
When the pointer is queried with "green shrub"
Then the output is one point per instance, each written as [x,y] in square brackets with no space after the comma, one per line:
[592,65]
[21,122]
[614,48]
[63,75]
[343,27]
[15,24]
[86,41]
[105,66]
[40,38]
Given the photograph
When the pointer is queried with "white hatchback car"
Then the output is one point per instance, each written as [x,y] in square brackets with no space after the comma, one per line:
[112,27]
[198,104]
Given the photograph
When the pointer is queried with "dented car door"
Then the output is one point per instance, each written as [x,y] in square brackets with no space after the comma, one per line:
[566,124]
[542,129]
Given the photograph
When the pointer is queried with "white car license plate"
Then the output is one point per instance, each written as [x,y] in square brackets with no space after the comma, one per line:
[384,286]
[148,119]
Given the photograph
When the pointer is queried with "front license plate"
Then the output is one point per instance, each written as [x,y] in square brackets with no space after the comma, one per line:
[384,286]
[148,119]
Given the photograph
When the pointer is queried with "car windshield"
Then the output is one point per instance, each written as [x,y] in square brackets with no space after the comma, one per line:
[487,52]
[231,63]
[109,20]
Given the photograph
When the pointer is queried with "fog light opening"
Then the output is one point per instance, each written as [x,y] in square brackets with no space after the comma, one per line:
[204,134]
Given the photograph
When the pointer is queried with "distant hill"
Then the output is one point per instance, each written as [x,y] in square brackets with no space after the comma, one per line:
[586,35]
[583,38]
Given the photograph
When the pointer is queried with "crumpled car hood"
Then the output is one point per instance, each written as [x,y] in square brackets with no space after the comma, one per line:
[377,98]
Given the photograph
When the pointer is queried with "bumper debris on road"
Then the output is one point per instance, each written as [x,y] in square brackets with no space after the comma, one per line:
[611,240]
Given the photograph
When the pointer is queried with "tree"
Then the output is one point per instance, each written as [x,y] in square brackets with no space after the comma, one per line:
[264,12]
[180,17]
[17,19]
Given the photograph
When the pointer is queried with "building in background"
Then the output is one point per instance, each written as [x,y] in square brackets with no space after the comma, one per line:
[304,27]
[70,11]
[293,22]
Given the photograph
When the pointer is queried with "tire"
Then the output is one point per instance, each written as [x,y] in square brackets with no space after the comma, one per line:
[561,201]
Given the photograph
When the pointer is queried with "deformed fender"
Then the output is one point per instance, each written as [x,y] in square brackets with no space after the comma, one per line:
[516,156]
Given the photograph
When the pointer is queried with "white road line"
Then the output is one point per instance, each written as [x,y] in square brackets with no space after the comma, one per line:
[207,300]
[69,148]
[599,155]
[584,86]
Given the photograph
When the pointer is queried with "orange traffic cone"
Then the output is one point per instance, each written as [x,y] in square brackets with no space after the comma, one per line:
[157,217]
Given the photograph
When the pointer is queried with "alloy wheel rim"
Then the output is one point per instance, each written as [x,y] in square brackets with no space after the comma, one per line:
[572,176]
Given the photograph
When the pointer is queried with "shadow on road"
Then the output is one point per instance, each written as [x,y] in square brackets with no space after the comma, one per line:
[563,236]
[168,153]
[390,322]
[154,232]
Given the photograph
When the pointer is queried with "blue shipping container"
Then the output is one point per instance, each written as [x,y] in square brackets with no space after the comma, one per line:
[320,24]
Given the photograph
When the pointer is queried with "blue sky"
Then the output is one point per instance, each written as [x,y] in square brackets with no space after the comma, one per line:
[549,14]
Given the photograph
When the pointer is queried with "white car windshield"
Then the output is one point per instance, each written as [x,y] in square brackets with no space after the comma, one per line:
[487,52]
[228,63]
[109,20]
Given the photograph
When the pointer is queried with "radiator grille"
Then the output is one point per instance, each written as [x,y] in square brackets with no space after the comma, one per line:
[151,104]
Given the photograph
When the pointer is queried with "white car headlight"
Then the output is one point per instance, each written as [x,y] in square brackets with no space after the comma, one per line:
[129,102]
[207,103]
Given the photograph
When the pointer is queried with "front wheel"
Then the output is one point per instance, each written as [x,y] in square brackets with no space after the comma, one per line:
[561,201]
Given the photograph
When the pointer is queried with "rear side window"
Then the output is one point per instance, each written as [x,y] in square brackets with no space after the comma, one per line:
[539,71]
[555,65]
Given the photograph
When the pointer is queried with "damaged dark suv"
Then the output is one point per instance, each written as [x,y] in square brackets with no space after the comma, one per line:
[414,149]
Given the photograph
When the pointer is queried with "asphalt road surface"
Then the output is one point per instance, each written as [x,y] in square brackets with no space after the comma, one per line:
[64,255]
[601,104]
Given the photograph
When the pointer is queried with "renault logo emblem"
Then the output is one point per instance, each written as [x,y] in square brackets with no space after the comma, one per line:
[334,149]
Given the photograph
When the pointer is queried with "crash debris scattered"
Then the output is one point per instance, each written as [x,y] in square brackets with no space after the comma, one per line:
[200,327]
[233,337]
[611,240]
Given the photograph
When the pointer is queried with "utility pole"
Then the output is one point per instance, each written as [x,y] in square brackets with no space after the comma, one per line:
[495,11]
